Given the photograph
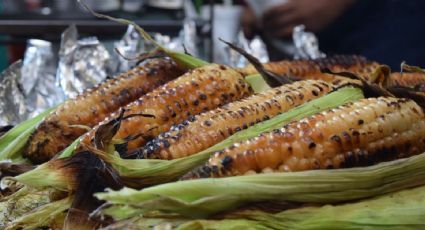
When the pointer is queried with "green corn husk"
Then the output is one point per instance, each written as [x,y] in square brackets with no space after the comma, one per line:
[70,149]
[147,172]
[43,216]
[257,83]
[400,210]
[147,223]
[13,142]
[203,197]
[55,174]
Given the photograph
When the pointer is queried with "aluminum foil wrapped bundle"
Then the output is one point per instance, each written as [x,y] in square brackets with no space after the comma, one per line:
[28,87]
[82,63]
[256,47]
[185,42]
[38,77]
[189,37]
[12,101]
[129,47]
[306,44]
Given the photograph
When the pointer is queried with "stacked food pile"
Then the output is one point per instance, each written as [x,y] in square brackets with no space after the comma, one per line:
[181,143]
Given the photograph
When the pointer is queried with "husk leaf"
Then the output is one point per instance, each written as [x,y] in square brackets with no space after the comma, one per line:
[257,83]
[42,216]
[203,197]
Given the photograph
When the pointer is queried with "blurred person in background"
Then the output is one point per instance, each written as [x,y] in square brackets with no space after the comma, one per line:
[388,31]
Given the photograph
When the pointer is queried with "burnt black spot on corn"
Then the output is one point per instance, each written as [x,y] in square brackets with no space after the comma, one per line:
[312,69]
[186,90]
[209,128]
[92,106]
[391,129]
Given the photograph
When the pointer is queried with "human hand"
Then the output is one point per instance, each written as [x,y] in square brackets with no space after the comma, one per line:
[250,23]
[314,14]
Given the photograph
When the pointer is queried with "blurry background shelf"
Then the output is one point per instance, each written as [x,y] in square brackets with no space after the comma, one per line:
[20,27]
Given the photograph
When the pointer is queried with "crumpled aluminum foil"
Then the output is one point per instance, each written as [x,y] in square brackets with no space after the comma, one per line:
[255,47]
[129,47]
[82,63]
[186,41]
[189,37]
[306,44]
[28,87]
[12,101]
[38,77]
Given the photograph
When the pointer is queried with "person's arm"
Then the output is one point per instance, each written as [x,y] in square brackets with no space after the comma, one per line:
[314,14]
[249,22]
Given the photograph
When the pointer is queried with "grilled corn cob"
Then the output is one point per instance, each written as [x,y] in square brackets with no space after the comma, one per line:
[197,91]
[207,129]
[312,68]
[407,79]
[57,130]
[355,134]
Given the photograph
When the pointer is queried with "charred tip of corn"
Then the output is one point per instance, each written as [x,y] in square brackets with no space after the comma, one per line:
[54,174]
[271,78]
[62,174]
[96,177]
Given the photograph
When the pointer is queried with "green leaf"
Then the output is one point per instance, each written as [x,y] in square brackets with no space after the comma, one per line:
[70,149]
[400,210]
[203,197]
[257,83]
[185,61]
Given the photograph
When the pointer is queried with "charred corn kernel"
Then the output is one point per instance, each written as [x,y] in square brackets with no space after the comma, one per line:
[407,79]
[57,130]
[355,134]
[312,68]
[197,91]
[204,130]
